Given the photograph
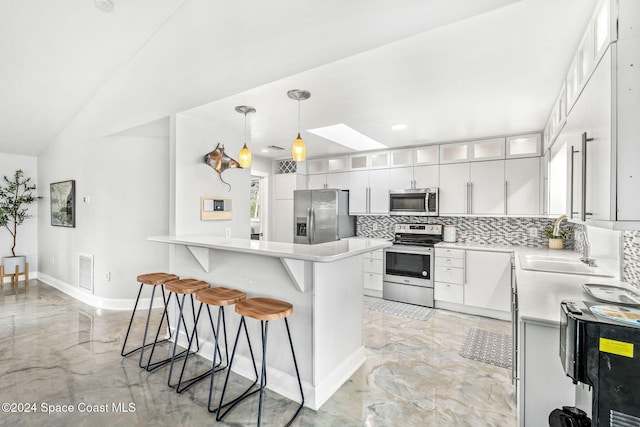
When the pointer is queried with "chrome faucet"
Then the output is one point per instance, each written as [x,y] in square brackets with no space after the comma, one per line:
[586,252]
[556,225]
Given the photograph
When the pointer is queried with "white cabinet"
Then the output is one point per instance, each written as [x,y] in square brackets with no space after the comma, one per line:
[337,164]
[522,184]
[427,155]
[486,149]
[488,282]
[543,383]
[374,160]
[282,223]
[358,192]
[317,182]
[372,273]
[524,146]
[379,191]
[401,158]
[426,176]
[449,275]
[454,153]
[454,188]
[486,187]
[339,180]
[316,166]
[285,184]
[400,178]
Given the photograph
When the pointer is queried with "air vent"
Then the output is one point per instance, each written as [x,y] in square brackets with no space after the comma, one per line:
[620,419]
[85,272]
[275,147]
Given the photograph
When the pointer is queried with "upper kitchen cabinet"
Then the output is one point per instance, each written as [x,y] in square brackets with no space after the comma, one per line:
[415,177]
[401,158]
[486,149]
[523,146]
[321,173]
[454,153]
[424,156]
[374,160]
[316,166]
[522,186]
[454,189]
[602,133]
[487,188]
[369,192]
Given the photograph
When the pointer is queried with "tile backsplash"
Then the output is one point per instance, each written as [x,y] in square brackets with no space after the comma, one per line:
[488,230]
[631,257]
[505,231]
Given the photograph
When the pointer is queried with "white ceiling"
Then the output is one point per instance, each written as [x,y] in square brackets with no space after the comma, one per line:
[449,69]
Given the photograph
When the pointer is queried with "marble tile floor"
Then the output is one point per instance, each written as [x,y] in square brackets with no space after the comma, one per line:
[55,350]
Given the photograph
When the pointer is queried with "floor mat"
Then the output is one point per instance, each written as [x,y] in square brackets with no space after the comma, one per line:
[410,311]
[488,347]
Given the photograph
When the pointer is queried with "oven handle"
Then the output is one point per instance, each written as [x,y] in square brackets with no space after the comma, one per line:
[425,251]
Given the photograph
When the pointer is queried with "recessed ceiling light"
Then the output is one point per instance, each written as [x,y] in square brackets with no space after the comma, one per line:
[264,150]
[104,5]
[350,138]
[398,126]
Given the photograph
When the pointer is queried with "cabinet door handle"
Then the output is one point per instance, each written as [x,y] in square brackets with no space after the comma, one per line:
[506,195]
[470,198]
[583,212]
[467,207]
[571,169]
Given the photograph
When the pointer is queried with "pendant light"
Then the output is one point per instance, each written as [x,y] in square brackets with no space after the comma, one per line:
[298,149]
[244,158]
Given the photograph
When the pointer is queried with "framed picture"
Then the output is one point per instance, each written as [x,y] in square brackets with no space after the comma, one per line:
[63,203]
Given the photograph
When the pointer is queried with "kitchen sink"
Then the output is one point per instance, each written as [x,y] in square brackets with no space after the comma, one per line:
[559,265]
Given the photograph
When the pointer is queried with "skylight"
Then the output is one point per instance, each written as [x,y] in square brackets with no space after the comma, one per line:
[350,138]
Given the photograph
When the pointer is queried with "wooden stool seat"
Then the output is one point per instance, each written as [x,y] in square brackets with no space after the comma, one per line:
[156,278]
[264,308]
[186,286]
[220,296]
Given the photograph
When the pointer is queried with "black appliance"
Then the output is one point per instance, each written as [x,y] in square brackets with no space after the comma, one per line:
[600,347]
[409,264]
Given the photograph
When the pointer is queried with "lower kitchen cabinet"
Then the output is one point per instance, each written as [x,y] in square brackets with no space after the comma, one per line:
[449,275]
[543,385]
[449,292]
[372,273]
[488,282]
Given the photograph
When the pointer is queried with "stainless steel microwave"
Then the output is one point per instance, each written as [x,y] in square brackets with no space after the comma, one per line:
[414,201]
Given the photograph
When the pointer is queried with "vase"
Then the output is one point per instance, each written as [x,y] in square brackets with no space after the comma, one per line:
[9,263]
[555,244]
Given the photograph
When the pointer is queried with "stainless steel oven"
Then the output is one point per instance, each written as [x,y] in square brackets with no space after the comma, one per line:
[409,264]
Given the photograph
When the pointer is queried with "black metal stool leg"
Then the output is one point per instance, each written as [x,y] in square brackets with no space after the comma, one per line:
[155,365]
[216,351]
[231,404]
[151,366]
[133,313]
[185,352]
[264,326]
[295,364]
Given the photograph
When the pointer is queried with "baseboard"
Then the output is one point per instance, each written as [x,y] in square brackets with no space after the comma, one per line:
[96,301]
[478,311]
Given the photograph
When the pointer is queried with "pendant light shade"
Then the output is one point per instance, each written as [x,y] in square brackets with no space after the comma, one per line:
[244,157]
[298,149]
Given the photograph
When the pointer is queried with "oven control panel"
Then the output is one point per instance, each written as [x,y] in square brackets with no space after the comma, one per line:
[418,228]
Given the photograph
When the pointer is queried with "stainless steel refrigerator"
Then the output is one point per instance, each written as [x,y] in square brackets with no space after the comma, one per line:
[321,216]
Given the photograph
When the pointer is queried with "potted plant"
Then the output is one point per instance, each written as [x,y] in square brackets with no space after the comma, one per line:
[15,196]
[556,240]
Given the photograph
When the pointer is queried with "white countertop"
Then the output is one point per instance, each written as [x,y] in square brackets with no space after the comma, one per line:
[322,252]
[539,292]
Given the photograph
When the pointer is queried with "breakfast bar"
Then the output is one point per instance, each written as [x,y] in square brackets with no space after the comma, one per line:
[323,282]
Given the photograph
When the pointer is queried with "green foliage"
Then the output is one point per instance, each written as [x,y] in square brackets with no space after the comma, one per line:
[563,233]
[15,195]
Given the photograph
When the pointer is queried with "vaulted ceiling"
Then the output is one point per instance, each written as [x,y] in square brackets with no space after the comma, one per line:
[450,70]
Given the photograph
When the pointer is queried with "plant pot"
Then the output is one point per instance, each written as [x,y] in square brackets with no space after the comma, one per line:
[555,244]
[9,264]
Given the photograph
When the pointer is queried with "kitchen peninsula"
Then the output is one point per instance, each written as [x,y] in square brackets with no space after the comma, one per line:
[324,284]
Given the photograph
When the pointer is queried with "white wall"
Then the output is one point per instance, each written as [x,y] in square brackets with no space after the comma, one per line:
[194,179]
[27,242]
[126,180]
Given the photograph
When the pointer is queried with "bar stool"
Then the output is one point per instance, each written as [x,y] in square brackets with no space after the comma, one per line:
[155,280]
[184,287]
[219,297]
[264,310]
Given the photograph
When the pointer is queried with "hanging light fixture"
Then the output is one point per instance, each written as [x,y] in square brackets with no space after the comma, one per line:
[244,158]
[298,149]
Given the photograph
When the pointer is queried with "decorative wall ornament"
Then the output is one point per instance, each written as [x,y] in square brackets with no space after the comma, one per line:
[219,161]
[63,203]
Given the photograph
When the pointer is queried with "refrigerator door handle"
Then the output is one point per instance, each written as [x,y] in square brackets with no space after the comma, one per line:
[312,225]
[309,225]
